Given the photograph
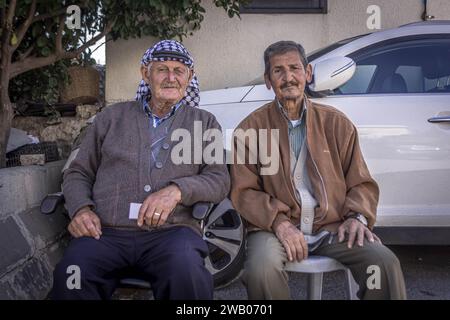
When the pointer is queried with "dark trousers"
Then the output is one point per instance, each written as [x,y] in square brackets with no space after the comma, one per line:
[172,260]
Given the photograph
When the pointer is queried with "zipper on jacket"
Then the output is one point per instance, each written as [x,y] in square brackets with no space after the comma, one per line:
[318,172]
[299,199]
[317,168]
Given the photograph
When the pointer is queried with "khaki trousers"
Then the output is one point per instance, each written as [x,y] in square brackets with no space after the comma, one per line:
[265,278]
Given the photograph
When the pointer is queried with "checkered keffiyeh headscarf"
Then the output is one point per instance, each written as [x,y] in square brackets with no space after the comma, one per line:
[170,50]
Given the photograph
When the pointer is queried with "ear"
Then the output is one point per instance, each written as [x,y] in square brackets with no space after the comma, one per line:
[144,73]
[308,73]
[267,81]
[191,75]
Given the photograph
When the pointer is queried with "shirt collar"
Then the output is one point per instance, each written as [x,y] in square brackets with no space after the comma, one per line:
[283,111]
[157,120]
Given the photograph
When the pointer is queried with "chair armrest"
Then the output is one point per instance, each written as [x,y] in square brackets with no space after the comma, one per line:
[51,202]
[201,210]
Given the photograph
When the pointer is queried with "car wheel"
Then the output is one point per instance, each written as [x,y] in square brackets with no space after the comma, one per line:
[224,232]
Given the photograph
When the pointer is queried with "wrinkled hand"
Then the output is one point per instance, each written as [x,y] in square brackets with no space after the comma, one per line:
[293,241]
[356,231]
[85,223]
[159,205]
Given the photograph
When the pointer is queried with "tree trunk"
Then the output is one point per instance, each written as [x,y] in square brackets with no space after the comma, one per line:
[6,116]
[6,110]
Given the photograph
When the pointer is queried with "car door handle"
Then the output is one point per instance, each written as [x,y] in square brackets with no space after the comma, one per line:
[439,119]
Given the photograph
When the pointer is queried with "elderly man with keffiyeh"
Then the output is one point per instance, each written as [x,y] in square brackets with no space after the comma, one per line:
[130,205]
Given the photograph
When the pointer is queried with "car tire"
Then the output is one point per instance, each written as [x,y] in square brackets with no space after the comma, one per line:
[225,234]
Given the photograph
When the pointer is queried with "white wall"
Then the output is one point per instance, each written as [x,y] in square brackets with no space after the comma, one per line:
[229,52]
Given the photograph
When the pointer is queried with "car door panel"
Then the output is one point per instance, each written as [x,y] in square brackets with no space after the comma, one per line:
[407,155]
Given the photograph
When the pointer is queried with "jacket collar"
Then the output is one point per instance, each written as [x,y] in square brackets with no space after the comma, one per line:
[284,113]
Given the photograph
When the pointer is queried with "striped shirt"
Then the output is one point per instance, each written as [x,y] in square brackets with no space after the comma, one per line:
[296,131]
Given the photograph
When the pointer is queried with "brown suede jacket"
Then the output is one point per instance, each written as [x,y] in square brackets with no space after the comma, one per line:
[339,176]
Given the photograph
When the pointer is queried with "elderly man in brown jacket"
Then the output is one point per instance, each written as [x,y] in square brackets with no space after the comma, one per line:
[130,200]
[321,199]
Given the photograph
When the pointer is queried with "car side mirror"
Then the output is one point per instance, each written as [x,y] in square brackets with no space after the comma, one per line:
[331,73]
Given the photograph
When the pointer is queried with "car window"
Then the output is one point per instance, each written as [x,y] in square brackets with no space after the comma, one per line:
[360,81]
[414,66]
[413,76]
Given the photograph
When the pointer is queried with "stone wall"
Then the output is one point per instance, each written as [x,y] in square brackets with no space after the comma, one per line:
[64,131]
[30,243]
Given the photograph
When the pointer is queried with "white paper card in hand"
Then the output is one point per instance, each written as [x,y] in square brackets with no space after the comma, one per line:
[134,210]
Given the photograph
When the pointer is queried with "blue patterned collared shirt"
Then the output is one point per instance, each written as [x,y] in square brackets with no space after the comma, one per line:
[156,121]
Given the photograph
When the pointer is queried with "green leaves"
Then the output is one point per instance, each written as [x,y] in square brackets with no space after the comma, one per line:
[41,41]
[52,82]
[158,18]
[161,18]
[39,85]
[36,30]
[231,6]
[45,51]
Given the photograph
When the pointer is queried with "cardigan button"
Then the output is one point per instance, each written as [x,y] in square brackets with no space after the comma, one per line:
[159,165]
[306,220]
[147,188]
[165,146]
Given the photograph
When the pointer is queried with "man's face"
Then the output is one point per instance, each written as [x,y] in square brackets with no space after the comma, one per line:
[287,76]
[168,80]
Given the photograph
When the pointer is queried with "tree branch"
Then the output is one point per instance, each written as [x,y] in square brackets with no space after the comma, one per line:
[56,13]
[59,35]
[22,56]
[22,29]
[20,67]
[5,62]
[2,39]
[8,25]
[44,16]
[6,37]
[3,16]
[11,13]
[94,40]
[101,45]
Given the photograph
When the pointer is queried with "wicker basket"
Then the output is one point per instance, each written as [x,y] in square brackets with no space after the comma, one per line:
[84,87]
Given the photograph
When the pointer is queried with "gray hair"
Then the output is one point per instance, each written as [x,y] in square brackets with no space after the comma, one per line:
[281,47]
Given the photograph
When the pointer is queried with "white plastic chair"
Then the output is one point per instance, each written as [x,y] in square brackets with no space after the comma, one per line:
[315,267]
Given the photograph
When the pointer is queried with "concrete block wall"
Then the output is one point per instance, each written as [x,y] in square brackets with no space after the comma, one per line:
[30,243]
